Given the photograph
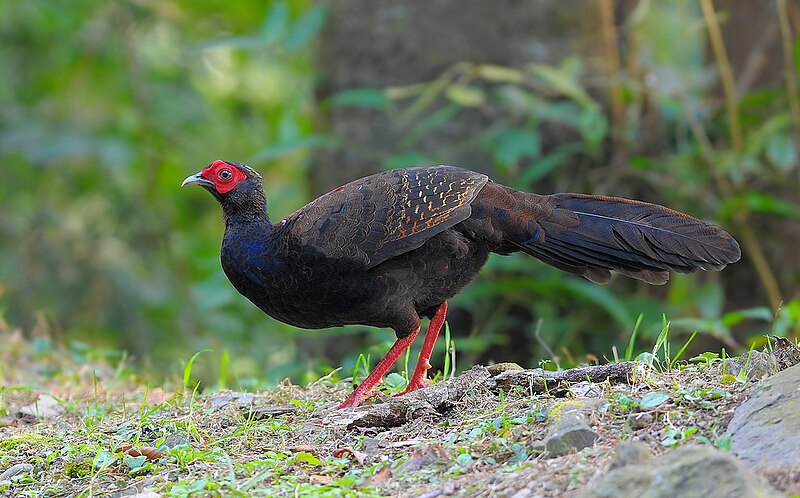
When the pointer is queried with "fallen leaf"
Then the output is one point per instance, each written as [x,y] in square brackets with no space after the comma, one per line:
[221,400]
[45,406]
[303,447]
[262,412]
[20,468]
[408,442]
[378,477]
[423,457]
[122,447]
[8,422]
[150,452]
[319,479]
[360,456]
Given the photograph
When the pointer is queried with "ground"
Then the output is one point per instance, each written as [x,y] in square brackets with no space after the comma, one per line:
[108,435]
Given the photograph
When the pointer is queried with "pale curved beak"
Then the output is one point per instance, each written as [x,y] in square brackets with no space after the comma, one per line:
[197,179]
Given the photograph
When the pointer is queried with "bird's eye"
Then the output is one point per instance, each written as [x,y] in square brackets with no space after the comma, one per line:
[225,175]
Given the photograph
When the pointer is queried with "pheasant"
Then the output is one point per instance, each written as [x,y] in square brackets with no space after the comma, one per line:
[390,249]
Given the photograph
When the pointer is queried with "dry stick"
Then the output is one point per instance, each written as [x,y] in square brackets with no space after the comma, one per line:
[540,381]
[749,238]
[429,402]
[441,397]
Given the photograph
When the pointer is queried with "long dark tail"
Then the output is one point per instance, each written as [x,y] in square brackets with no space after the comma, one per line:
[590,235]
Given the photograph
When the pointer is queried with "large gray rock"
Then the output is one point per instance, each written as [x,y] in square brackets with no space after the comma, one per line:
[765,430]
[630,453]
[690,471]
[570,434]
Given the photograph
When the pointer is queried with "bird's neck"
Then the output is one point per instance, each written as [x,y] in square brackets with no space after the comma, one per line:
[249,210]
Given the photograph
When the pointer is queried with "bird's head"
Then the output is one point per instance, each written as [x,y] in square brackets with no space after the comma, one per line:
[236,186]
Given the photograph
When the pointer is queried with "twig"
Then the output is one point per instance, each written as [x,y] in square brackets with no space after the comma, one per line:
[539,381]
[437,399]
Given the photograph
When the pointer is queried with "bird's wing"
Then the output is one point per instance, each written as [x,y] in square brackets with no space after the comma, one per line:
[381,216]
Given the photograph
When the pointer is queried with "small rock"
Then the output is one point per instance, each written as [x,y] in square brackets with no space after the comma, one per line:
[570,434]
[20,468]
[422,457]
[221,400]
[522,493]
[765,429]
[176,439]
[499,368]
[536,447]
[586,389]
[45,406]
[640,420]
[263,412]
[630,453]
[146,493]
[689,471]
[758,365]
[787,354]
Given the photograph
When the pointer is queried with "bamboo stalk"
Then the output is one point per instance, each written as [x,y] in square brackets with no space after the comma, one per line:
[613,66]
[788,63]
[728,86]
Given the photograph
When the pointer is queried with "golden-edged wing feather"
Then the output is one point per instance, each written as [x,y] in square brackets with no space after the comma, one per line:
[381,216]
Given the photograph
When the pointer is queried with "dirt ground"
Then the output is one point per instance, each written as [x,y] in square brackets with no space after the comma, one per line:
[108,435]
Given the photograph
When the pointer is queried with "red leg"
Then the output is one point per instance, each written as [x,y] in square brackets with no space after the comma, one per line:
[423,363]
[363,391]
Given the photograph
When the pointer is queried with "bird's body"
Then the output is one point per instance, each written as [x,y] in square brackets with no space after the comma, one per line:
[391,248]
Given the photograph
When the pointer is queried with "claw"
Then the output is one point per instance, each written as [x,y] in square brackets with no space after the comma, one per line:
[356,397]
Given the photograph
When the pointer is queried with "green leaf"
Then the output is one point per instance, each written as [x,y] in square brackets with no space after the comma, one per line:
[406,159]
[653,399]
[781,151]
[465,96]
[796,53]
[544,166]
[187,371]
[602,297]
[765,203]
[134,463]
[306,457]
[560,81]
[395,381]
[306,28]
[500,74]
[430,123]
[733,318]
[275,23]
[594,128]
[103,459]
[361,97]
[632,340]
[283,148]
[509,145]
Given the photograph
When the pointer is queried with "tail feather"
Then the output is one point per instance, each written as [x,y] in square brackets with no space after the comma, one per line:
[591,235]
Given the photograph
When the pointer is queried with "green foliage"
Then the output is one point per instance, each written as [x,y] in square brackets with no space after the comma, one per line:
[106,107]
[693,160]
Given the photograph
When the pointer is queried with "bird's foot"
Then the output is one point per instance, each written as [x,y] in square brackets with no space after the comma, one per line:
[356,398]
[418,380]
[411,387]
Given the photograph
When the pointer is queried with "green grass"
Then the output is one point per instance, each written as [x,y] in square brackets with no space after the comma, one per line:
[204,449]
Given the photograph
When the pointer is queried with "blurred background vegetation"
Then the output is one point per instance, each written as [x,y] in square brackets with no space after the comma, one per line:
[106,106]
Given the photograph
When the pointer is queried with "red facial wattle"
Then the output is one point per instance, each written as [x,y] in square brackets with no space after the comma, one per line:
[225,176]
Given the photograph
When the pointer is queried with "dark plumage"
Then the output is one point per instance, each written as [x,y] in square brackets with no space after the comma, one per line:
[391,248]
